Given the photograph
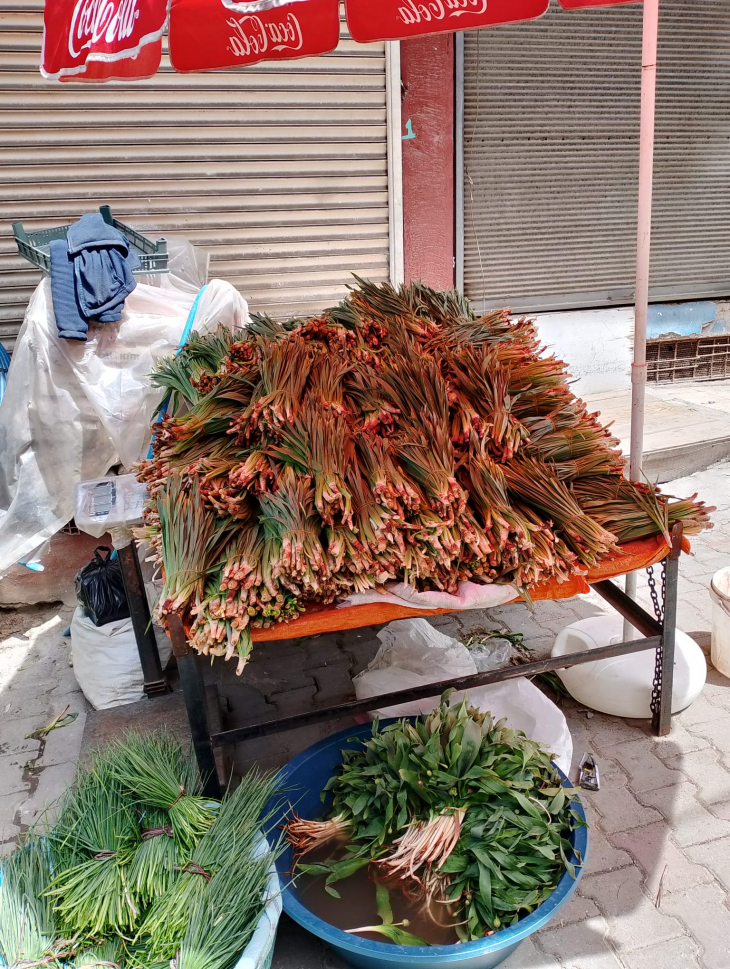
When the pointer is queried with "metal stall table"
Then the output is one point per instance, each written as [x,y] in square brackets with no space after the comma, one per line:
[658,634]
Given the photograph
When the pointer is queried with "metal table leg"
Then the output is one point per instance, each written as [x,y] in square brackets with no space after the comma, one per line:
[191,678]
[661,701]
[155,681]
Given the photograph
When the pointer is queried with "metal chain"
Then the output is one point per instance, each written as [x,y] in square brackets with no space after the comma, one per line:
[656,688]
[658,608]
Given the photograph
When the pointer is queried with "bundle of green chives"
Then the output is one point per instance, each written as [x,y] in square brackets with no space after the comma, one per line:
[155,770]
[225,852]
[107,953]
[223,921]
[157,857]
[26,916]
[92,847]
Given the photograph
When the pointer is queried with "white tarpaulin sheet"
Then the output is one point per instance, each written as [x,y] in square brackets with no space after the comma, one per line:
[72,409]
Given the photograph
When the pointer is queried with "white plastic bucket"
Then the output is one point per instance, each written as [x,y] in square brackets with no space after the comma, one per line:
[720,595]
[622,686]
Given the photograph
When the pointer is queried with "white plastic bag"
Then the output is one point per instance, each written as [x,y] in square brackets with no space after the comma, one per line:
[106,662]
[106,504]
[413,653]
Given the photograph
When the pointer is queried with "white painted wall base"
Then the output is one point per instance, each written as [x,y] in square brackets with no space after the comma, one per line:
[595,344]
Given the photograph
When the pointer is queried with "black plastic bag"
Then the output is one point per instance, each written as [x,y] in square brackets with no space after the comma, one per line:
[100,589]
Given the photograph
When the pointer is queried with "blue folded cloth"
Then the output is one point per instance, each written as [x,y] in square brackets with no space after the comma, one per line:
[92,232]
[100,262]
[71,322]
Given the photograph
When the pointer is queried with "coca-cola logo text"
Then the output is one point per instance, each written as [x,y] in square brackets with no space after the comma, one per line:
[94,20]
[252,36]
[416,13]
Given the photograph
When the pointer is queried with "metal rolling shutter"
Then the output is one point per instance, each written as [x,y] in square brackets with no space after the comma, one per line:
[279,171]
[551,126]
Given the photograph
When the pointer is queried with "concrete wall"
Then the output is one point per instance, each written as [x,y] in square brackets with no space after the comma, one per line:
[596,344]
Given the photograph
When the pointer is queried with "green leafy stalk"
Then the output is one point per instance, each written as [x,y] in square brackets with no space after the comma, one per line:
[93,846]
[225,852]
[27,924]
[157,773]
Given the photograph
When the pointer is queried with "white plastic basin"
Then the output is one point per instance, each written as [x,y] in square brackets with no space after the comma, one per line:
[622,686]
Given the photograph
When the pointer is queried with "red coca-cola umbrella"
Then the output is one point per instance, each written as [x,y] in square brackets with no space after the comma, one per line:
[97,40]
[100,40]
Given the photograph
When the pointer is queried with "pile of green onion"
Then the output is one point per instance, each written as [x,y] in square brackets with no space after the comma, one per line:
[140,870]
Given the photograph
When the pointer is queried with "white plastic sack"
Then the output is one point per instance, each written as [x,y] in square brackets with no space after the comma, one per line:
[471,595]
[72,410]
[106,661]
[413,653]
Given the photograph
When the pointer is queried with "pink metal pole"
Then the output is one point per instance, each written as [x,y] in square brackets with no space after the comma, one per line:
[643,238]
[643,249]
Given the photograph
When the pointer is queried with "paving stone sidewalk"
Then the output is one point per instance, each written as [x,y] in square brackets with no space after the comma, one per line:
[656,889]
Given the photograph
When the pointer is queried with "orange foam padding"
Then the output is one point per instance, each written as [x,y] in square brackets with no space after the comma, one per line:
[632,557]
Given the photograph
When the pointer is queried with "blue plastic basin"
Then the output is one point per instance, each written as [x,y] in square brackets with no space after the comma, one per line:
[303,778]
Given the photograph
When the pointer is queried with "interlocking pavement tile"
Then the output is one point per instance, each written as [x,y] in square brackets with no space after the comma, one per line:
[646,771]
[528,956]
[617,805]
[632,918]
[679,741]
[577,910]
[690,821]
[702,711]
[678,954]
[661,860]
[602,855]
[716,855]
[704,911]
[721,810]
[608,731]
[707,772]
[716,731]
[581,946]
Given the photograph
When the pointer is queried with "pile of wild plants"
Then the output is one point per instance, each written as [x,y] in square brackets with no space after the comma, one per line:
[140,869]
[452,808]
[396,437]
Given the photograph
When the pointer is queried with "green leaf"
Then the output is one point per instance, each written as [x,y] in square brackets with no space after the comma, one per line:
[569,867]
[454,863]
[318,869]
[339,870]
[392,932]
[485,887]
[558,803]
[410,777]
[361,803]
[471,741]
[332,891]
[547,852]
[399,936]
[382,902]
[527,805]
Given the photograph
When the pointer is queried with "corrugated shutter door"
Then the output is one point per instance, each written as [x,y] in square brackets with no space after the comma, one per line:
[551,141]
[278,170]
